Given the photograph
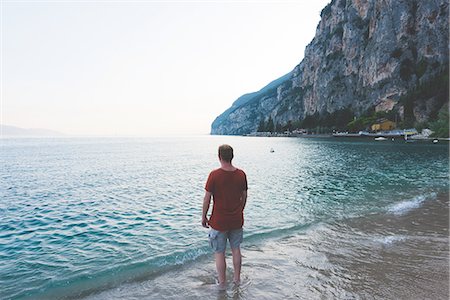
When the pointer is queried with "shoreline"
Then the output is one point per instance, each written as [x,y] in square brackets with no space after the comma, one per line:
[392,255]
[352,137]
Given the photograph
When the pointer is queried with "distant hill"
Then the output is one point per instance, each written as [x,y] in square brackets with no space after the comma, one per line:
[222,123]
[8,131]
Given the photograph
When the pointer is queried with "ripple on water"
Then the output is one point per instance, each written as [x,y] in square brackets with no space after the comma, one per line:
[81,207]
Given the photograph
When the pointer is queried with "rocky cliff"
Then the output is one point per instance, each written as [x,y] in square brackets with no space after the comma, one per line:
[379,55]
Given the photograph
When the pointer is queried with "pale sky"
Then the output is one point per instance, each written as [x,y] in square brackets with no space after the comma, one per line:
[143,67]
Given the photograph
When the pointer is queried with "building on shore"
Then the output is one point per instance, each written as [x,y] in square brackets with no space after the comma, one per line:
[383,125]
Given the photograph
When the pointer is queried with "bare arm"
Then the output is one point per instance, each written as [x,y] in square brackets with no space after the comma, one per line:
[244,199]
[206,202]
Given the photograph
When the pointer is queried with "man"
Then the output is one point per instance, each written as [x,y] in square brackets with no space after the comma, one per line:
[228,187]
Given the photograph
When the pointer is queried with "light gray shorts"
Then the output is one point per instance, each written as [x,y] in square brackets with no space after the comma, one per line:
[218,239]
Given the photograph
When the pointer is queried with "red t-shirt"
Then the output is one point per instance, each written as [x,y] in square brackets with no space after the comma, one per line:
[226,188]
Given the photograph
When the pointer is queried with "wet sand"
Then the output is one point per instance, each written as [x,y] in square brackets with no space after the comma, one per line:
[393,255]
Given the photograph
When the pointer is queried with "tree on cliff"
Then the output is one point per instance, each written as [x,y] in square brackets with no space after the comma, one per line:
[270,125]
[261,126]
[441,125]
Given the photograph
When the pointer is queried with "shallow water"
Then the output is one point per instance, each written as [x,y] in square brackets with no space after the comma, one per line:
[379,256]
[97,216]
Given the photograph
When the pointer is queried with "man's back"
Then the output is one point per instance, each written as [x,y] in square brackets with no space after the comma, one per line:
[226,188]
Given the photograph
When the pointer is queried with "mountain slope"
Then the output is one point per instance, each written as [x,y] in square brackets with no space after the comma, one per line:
[367,55]
[222,124]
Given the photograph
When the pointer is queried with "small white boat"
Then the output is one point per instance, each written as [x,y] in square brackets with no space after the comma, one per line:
[380,138]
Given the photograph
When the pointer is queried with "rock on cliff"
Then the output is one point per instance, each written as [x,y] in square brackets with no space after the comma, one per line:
[366,55]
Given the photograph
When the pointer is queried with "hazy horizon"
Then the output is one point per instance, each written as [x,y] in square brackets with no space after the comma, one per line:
[143,68]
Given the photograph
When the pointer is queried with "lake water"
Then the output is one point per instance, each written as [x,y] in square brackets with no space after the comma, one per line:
[108,218]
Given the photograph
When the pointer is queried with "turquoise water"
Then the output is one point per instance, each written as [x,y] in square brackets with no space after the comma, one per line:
[80,215]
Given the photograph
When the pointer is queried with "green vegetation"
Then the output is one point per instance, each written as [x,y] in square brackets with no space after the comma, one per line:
[370,117]
[270,126]
[320,123]
[437,87]
[266,127]
[261,126]
[421,125]
[441,125]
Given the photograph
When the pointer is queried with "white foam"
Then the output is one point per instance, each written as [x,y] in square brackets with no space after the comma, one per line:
[389,240]
[405,206]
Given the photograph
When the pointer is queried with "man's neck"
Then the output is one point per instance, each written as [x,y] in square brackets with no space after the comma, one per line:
[227,166]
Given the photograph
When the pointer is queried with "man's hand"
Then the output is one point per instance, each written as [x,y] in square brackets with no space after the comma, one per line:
[206,202]
[205,222]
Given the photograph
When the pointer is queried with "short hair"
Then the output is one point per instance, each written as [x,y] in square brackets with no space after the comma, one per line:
[226,152]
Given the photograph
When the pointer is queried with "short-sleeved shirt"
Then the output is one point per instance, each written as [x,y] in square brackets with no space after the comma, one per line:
[226,188]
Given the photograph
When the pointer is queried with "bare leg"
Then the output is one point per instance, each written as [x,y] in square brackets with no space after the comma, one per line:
[237,261]
[221,267]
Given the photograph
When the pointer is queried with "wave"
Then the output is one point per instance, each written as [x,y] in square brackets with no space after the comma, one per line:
[85,284]
[82,285]
[405,206]
[389,240]
[253,238]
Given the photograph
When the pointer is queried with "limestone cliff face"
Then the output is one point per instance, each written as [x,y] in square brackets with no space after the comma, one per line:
[366,54]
